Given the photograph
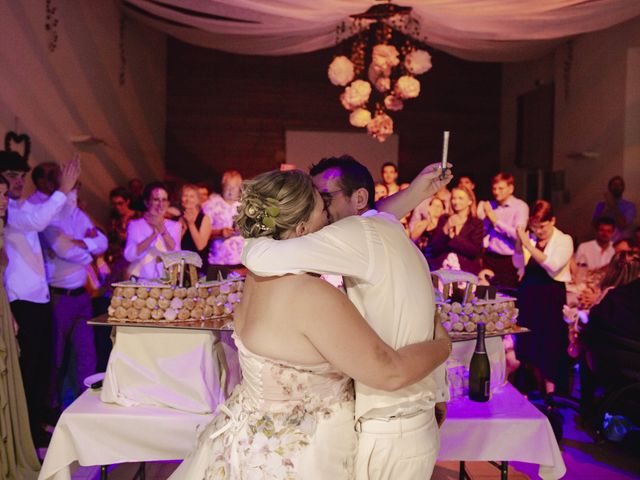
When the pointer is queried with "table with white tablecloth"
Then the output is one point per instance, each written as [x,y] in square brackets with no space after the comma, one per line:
[188,370]
[92,432]
[506,428]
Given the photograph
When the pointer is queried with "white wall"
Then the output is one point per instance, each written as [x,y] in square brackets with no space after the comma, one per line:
[75,90]
[597,109]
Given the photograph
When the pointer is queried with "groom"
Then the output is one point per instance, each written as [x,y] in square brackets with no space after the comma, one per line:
[388,280]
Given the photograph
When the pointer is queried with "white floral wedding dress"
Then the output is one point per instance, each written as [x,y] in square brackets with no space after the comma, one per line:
[283,421]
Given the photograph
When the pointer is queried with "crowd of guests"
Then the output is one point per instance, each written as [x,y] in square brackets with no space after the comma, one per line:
[522,251]
[59,275]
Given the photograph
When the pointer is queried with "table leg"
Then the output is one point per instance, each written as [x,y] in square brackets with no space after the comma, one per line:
[103,472]
[140,474]
[463,472]
[504,469]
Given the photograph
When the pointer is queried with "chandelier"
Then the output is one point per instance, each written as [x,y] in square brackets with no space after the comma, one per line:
[379,56]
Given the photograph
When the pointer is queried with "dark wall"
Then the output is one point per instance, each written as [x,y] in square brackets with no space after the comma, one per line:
[231,111]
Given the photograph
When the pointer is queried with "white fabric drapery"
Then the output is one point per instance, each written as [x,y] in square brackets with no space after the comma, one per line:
[482,30]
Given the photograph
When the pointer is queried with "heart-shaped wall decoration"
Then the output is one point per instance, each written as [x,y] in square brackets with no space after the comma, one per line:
[13,141]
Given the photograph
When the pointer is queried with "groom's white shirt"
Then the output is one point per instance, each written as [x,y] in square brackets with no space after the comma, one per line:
[386,277]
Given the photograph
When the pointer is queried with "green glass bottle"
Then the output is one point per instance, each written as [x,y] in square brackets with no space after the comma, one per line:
[480,370]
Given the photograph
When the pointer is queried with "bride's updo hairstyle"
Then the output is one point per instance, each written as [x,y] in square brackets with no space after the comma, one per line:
[274,203]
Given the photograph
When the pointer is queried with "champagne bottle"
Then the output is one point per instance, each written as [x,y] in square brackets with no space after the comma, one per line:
[479,370]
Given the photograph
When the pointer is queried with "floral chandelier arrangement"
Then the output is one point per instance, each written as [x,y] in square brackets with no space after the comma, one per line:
[379,70]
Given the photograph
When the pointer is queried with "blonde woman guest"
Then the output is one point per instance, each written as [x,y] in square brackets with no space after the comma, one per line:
[196,226]
[543,266]
[151,235]
[226,241]
[457,240]
[18,459]
[300,340]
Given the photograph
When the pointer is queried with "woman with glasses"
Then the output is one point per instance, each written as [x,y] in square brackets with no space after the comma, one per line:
[151,235]
[542,256]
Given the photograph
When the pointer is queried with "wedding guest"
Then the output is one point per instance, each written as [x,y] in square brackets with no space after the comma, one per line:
[380,191]
[622,245]
[121,215]
[17,452]
[26,282]
[196,226]
[151,235]
[424,221]
[543,264]
[227,243]
[69,243]
[457,240]
[598,252]
[467,181]
[614,316]
[614,206]
[203,192]
[136,188]
[502,216]
[389,173]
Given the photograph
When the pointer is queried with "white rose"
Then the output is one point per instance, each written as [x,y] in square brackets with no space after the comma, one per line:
[384,57]
[393,103]
[356,94]
[360,117]
[418,62]
[341,71]
[407,87]
[380,127]
[379,79]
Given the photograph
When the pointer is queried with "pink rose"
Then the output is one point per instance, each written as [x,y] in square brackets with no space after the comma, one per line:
[393,103]
[356,94]
[380,127]
[407,87]
[384,58]
[341,71]
[360,117]
[418,62]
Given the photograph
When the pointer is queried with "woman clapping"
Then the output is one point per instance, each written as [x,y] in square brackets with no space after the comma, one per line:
[151,235]
[457,240]
[196,226]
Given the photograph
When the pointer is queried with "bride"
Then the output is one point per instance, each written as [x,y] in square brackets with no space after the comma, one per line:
[300,342]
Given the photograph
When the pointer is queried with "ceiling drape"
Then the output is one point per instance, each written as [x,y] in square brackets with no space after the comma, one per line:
[481,30]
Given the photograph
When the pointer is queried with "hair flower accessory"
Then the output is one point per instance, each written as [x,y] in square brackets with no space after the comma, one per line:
[268,216]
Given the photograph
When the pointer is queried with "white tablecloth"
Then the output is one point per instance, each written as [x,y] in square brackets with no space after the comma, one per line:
[507,427]
[188,370]
[95,433]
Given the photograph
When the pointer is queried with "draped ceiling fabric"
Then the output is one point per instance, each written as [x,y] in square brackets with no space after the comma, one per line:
[480,30]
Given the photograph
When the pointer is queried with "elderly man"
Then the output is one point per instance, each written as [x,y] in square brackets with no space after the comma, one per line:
[398,433]
[26,281]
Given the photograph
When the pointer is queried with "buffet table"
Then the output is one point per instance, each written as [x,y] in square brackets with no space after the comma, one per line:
[92,432]
[506,428]
[191,369]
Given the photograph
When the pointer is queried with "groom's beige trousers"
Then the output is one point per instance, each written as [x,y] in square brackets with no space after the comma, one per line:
[402,448]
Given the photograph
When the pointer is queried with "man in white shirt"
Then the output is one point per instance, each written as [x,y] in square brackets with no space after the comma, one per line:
[69,243]
[388,280]
[598,252]
[26,282]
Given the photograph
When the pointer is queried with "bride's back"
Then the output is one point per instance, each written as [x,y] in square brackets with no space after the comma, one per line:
[274,309]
